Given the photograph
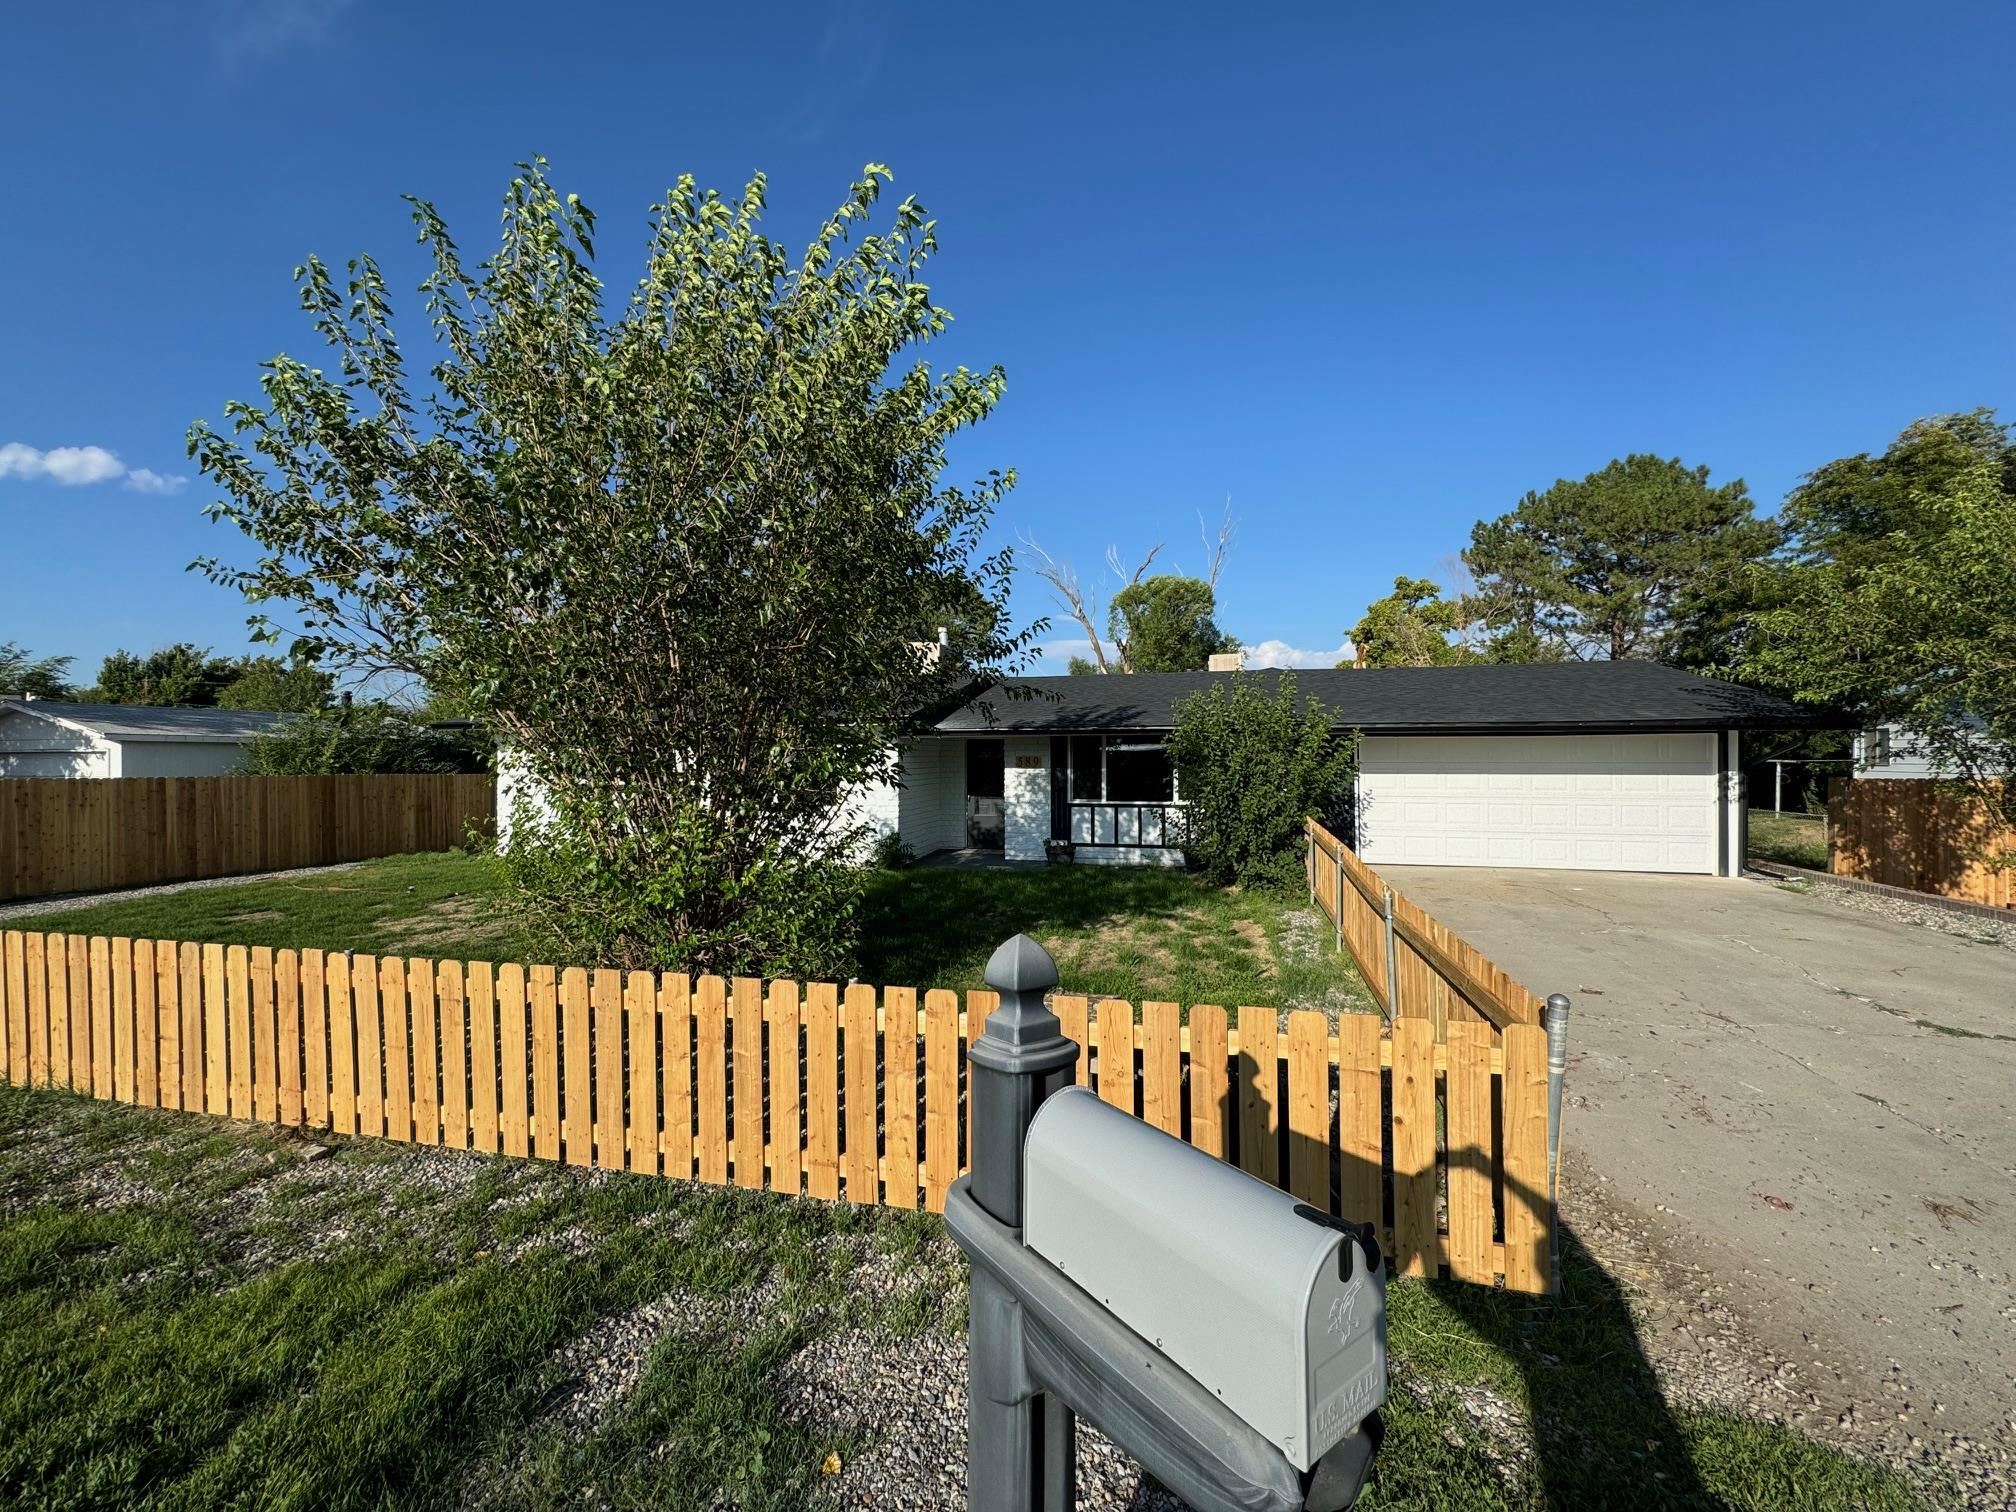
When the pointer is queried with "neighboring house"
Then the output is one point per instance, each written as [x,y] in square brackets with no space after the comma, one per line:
[1890,752]
[1600,766]
[44,738]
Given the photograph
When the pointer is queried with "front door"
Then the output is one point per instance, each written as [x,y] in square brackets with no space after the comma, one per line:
[986,794]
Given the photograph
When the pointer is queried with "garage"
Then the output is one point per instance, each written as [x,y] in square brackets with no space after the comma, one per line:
[1613,802]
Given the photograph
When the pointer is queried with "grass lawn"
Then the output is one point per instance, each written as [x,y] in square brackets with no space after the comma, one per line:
[1795,839]
[195,1314]
[1116,931]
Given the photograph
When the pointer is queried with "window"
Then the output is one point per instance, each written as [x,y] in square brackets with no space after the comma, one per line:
[1120,769]
[1087,766]
[1138,772]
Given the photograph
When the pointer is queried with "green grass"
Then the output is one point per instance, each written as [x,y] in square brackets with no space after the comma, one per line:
[1131,932]
[191,1316]
[1794,839]
[1116,931]
[437,905]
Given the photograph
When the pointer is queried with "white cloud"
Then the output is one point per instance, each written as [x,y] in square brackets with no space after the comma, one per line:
[1278,653]
[143,480]
[1055,656]
[68,465]
[255,30]
[71,466]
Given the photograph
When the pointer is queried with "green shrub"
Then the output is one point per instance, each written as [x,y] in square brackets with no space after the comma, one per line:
[658,899]
[1252,766]
[370,737]
[891,852]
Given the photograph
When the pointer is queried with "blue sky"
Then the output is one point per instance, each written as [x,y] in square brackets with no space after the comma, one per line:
[1370,272]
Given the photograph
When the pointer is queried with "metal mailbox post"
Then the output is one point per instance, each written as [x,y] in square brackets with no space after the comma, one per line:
[1229,1338]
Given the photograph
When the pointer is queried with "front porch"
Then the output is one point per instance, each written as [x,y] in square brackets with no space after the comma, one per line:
[1112,798]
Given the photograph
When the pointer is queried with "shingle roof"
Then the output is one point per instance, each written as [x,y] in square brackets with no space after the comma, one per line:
[131,722]
[1560,697]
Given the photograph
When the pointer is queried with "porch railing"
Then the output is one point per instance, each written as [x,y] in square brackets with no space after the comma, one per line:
[1098,823]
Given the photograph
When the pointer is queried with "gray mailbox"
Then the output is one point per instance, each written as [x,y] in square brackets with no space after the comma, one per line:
[1270,1304]
[1227,1337]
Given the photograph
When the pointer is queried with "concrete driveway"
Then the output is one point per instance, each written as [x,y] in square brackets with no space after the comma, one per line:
[1821,1101]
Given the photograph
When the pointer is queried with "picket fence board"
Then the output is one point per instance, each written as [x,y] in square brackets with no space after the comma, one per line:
[675,1013]
[899,1090]
[822,1090]
[850,1093]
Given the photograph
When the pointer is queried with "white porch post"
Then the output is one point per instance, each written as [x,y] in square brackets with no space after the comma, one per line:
[1735,818]
[1026,770]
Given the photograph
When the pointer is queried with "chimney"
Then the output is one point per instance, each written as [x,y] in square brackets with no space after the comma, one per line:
[1226,661]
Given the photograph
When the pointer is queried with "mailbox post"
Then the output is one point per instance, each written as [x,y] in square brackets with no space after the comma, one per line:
[1230,1338]
[1019,1448]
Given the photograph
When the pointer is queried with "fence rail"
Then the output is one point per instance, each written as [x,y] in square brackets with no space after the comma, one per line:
[1920,833]
[816,1089]
[61,835]
[1416,966]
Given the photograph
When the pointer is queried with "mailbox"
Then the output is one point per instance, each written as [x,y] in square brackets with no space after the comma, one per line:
[1229,1338]
[1276,1308]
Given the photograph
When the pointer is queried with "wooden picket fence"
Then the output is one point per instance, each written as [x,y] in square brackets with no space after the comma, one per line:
[1921,833]
[1435,974]
[61,835]
[820,1090]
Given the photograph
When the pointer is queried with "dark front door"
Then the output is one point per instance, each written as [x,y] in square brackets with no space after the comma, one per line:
[986,794]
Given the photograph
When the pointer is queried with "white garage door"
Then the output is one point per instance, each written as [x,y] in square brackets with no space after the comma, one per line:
[1588,802]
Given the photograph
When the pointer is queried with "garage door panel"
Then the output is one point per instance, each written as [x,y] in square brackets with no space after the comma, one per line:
[1598,802]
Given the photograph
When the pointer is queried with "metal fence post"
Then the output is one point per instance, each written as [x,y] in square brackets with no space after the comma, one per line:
[1021,1450]
[1337,897]
[1556,1019]
[1309,861]
[1392,962]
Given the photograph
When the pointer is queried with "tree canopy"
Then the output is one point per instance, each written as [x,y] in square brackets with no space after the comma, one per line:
[672,549]
[1410,627]
[1167,623]
[1642,558]
[295,685]
[1899,604]
[22,671]
[187,676]
[179,676]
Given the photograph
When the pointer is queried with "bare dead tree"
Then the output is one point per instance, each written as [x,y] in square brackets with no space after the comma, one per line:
[1063,581]
[1215,551]
[1083,607]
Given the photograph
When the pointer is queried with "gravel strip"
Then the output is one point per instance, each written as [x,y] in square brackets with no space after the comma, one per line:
[68,901]
[1977,928]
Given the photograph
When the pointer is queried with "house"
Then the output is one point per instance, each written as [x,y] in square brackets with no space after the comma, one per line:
[45,738]
[1890,752]
[1599,766]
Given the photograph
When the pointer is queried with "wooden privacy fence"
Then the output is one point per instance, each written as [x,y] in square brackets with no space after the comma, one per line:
[1921,833]
[62,835]
[1416,966]
[822,1090]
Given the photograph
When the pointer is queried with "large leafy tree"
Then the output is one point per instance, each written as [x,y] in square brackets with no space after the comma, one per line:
[179,676]
[1166,623]
[1899,601]
[672,549]
[1643,558]
[295,685]
[1410,627]
[21,671]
